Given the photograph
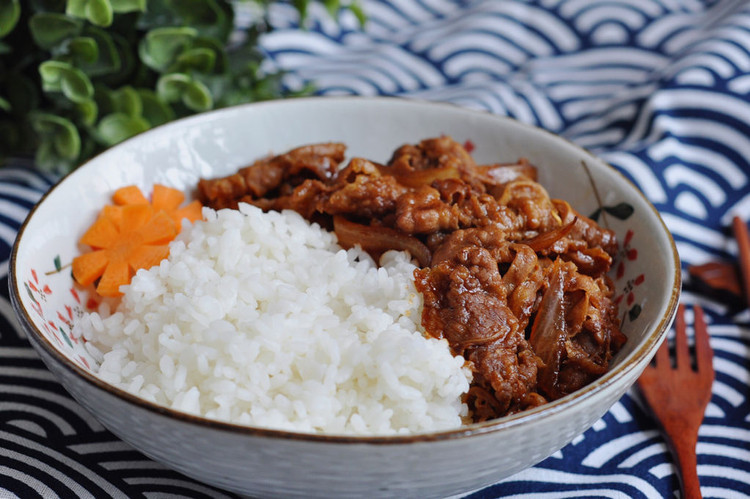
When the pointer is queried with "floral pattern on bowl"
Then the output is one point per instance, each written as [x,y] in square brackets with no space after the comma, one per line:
[57,301]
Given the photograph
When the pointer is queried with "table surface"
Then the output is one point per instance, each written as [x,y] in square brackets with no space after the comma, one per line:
[660,89]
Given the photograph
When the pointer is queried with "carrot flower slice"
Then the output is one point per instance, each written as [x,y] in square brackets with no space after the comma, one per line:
[102,233]
[130,235]
[192,211]
[130,194]
[115,275]
[165,198]
[90,266]
[169,200]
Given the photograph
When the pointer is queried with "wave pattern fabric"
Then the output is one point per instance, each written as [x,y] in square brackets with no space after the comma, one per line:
[660,89]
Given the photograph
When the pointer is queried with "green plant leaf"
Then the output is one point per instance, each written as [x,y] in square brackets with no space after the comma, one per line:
[209,17]
[76,86]
[76,8]
[58,76]
[5,105]
[196,59]
[88,112]
[178,86]
[10,12]
[45,123]
[60,133]
[51,73]
[155,110]
[122,6]
[108,59]
[170,87]
[127,101]
[67,145]
[220,55]
[301,6]
[359,12]
[332,6]
[84,50]
[49,29]
[197,97]
[116,127]
[161,46]
[98,12]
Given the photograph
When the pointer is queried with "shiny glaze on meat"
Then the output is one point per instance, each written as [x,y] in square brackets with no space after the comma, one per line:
[515,281]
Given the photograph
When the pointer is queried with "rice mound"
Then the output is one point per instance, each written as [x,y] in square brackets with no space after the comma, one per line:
[262,319]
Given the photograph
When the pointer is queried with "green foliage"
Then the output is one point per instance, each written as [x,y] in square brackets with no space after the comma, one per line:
[10,12]
[78,76]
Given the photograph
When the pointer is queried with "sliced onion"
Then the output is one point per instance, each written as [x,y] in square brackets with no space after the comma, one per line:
[547,239]
[378,240]
[548,333]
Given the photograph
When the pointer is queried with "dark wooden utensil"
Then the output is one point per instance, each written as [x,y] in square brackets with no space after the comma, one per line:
[678,395]
[727,281]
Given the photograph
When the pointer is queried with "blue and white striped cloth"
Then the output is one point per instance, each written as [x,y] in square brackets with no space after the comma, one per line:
[658,88]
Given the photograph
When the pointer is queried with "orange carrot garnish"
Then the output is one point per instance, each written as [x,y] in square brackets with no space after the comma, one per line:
[130,194]
[90,266]
[169,200]
[131,235]
[192,211]
[163,198]
[114,214]
[166,198]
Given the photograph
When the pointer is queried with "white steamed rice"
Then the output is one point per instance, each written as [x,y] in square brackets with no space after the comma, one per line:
[262,319]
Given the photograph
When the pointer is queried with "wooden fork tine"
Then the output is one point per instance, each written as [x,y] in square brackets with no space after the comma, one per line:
[703,350]
[682,351]
[661,358]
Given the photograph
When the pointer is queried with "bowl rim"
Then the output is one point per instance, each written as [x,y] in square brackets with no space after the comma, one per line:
[544,411]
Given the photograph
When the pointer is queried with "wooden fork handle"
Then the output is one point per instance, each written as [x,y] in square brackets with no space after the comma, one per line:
[683,451]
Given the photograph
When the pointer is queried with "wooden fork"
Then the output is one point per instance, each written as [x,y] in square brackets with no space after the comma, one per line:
[678,396]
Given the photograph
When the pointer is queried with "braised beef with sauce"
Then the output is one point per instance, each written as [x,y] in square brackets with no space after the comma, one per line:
[514,281]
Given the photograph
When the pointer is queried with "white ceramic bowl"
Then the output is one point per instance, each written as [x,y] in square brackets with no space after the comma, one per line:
[264,462]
